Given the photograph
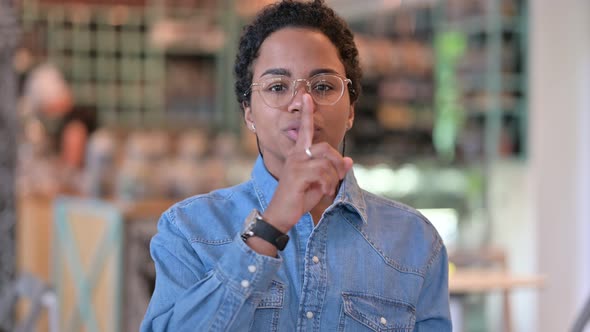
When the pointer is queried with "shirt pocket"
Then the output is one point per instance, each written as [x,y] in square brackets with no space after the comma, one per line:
[364,312]
[268,311]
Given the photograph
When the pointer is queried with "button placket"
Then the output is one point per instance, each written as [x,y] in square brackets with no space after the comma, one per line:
[315,278]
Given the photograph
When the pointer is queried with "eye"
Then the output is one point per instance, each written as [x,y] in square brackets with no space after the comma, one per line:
[323,87]
[277,87]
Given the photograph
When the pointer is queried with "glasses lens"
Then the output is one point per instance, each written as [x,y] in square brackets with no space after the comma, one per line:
[276,91]
[326,89]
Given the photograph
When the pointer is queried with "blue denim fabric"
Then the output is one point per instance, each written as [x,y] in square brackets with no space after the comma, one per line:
[370,264]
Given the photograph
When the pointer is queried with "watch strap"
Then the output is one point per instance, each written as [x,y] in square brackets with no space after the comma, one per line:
[270,234]
[259,227]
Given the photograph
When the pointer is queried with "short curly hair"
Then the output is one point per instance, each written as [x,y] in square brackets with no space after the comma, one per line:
[288,13]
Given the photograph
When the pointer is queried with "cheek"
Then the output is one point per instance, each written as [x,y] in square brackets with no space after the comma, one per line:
[341,119]
[266,121]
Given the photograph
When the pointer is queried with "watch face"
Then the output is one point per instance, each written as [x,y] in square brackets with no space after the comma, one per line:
[252,218]
[249,225]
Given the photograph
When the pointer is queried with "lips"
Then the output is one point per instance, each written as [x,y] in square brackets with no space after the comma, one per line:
[292,131]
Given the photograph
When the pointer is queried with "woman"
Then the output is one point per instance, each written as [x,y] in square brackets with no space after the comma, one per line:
[300,246]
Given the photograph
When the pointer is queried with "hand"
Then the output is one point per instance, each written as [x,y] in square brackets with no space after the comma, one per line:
[305,180]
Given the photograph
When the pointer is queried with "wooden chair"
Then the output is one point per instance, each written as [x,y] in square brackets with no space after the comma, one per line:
[88,264]
[39,295]
[487,257]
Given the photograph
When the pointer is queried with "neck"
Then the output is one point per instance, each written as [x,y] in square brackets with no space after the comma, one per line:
[320,208]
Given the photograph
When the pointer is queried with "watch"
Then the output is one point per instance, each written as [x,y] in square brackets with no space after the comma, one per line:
[257,226]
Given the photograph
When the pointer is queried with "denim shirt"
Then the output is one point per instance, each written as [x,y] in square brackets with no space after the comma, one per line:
[370,264]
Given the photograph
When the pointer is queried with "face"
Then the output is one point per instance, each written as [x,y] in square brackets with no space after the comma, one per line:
[296,53]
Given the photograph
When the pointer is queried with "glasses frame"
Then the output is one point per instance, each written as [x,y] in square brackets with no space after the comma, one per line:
[346,82]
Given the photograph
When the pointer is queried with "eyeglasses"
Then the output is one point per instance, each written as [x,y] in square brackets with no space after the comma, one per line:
[278,91]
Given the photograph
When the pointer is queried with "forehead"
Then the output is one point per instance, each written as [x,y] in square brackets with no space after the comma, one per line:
[299,51]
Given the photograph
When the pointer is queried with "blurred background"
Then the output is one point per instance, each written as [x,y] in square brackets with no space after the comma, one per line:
[476,112]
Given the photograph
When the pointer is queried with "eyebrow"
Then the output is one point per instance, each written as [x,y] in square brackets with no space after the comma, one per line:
[277,71]
[286,72]
[322,71]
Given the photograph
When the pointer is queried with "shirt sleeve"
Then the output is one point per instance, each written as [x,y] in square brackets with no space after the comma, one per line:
[433,311]
[190,297]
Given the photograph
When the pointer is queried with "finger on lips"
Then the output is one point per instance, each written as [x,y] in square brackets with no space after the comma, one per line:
[305,137]
[304,144]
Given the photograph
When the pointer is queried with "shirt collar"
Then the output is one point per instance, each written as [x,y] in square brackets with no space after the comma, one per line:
[264,183]
[350,194]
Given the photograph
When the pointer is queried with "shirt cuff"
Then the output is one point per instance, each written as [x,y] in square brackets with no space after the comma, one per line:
[247,271]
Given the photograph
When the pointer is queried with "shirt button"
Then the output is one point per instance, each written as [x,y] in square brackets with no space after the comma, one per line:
[309,314]
[245,283]
[383,321]
[315,259]
[252,268]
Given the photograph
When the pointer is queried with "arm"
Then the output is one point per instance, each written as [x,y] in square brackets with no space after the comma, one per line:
[190,297]
[432,311]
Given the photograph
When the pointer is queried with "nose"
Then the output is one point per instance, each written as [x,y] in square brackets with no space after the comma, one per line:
[297,101]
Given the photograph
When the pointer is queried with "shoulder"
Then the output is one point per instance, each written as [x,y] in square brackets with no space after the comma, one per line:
[211,217]
[384,202]
[214,199]
[395,212]
[403,234]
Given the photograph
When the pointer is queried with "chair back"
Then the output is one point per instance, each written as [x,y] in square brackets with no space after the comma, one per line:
[88,264]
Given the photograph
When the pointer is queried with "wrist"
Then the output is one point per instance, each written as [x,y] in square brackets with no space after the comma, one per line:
[257,226]
[276,219]
[262,247]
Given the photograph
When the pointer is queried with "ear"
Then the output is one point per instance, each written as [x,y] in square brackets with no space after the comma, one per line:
[248,118]
[350,119]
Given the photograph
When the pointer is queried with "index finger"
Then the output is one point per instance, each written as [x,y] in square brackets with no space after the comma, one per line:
[305,136]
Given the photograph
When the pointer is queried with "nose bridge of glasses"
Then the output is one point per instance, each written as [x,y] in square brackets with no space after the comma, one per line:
[295,86]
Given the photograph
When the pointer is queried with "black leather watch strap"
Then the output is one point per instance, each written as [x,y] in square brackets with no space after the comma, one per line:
[262,229]
[270,234]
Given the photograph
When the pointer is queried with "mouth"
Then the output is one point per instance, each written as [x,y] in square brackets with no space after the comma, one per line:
[292,132]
